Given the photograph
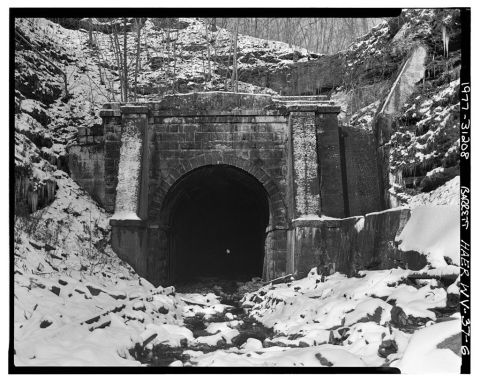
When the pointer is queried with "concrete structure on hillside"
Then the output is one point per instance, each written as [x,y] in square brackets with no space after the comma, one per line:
[224,184]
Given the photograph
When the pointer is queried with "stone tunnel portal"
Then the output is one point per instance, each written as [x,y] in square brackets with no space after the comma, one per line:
[214,171]
[217,216]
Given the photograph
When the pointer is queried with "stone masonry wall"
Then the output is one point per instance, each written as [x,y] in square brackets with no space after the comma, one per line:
[329,163]
[361,171]
[353,244]
[292,146]
[248,140]
[178,144]
[87,162]
[112,123]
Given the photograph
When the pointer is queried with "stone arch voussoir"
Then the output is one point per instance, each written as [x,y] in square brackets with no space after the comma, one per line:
[276,201]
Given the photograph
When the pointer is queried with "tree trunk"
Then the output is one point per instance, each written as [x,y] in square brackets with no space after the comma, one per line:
[125,53]
[118,57]
[234,84]
[139,31]
[207,38]
[90,34]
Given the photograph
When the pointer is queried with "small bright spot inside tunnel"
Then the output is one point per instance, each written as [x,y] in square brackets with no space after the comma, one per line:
[218,217]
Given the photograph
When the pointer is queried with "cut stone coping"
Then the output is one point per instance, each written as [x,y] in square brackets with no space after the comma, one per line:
[208,103]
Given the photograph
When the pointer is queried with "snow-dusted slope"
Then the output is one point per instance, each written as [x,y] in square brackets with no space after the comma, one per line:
[423,150]
[175,60]
[46,118]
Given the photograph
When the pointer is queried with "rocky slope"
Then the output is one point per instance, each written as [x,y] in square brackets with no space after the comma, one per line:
[419,144]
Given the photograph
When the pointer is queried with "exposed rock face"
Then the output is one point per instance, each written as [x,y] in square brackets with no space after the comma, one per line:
[45,120]
[417,126]
[412,71]
[31,195]
[105,27]
[316,76]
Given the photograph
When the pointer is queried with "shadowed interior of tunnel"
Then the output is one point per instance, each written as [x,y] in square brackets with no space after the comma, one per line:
[217,216]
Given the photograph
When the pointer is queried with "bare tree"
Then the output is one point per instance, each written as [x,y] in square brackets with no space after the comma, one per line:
[137,59]
[207,38]
[118,59]
[125,54]
[324,35]
[234,82]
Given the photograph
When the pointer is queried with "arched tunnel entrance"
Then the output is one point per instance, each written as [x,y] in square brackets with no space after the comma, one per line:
[217,216]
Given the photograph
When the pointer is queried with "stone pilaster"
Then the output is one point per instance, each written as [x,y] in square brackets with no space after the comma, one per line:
[306,198]
[131,185]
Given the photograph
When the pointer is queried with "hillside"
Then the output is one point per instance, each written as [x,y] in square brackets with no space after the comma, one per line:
[77,303]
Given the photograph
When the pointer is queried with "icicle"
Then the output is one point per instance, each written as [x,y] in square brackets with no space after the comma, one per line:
[445,39]
[33,201]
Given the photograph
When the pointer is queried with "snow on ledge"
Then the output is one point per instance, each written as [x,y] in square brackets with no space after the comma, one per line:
[125,215]
[315,217]
[308,217]
[387,210]
[360,224]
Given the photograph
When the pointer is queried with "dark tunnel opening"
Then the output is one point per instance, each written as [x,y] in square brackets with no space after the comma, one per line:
[218,215]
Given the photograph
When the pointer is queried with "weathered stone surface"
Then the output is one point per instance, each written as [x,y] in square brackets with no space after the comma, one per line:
[330,166]
[302,78]
[127,200]
[398,317]
[387,347]
[412,72]
[292,146]
[376,247]
[305,168]
[327,244]
[87,168]
[361,171]
[353,244]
